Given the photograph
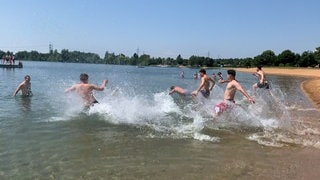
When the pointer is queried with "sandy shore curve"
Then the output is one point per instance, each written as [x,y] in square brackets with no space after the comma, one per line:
[310,87]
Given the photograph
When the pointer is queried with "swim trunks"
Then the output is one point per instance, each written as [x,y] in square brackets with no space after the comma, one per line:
[264,85]
[205,93]
[26,92]
[223,106]
[187,93]
[87,106]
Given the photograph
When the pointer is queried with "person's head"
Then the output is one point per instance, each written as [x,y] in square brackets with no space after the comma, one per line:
[202,72]
[259,68]
[84,77]
[231,74]
[27,78]
[219,73]
[172,87]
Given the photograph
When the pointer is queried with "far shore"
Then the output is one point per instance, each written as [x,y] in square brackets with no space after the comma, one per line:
[310,87]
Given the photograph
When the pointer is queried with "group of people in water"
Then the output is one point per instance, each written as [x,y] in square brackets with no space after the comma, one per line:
[207,84]
[85,89]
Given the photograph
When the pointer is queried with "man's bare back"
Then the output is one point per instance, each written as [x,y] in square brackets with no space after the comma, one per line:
[84,89]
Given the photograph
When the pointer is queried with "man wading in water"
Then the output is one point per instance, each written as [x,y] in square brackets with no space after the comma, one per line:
[25,87]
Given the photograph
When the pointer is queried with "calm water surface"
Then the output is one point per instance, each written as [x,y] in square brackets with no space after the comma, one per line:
[138,131]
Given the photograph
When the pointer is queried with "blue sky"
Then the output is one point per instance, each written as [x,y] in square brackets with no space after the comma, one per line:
[161,28]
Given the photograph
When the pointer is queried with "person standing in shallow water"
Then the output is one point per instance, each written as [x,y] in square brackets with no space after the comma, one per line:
[24,87]
[182,74]
[84,90]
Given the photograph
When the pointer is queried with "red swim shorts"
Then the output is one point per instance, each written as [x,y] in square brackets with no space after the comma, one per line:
[222,106]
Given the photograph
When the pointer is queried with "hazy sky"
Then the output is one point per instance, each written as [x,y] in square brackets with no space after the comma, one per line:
[161,28]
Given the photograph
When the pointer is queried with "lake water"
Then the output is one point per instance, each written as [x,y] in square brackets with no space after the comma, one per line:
[138,131]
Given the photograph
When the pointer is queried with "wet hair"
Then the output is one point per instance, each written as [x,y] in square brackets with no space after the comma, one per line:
[202,71]
[259,67]
[27,76]
[219,73]
[172,87]
[232,72]
[84,77]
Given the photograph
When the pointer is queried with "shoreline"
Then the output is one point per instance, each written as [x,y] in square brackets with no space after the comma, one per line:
[310,87]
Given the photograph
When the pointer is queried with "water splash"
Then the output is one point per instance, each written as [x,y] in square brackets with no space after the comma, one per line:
[268,122]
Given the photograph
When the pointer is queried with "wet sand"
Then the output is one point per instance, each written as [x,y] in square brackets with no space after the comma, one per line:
[310,87]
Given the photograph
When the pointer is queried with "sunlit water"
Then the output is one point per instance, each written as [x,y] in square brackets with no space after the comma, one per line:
[138,131]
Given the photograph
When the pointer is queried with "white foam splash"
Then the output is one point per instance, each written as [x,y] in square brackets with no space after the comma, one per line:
[264,139]
[176,117]
[203,137]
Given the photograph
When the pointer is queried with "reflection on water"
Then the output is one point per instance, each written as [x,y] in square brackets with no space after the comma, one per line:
[24,103]
[138,131]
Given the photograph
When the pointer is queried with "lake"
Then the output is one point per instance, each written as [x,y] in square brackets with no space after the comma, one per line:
[138,131]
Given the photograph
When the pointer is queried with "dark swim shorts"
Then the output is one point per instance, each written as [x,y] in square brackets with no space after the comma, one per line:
[263,85]
[205,93]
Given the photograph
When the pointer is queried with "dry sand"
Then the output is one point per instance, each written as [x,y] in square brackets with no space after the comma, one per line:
[310,87]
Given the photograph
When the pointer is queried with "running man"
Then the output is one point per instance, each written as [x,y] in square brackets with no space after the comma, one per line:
[84,90]
[229,94]
[204,87]
[180,91]
[24,87]
[262,83]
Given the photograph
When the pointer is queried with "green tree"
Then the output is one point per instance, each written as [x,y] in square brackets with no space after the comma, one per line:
[247,62]
[268,58]
[122,60]
[109,58]
[194,61]
[179,60]
[287,58]
[134,59]
[2,54]
[22,55]
[144,60]
[307,59]
[34,55]
[317,55]
[65,56]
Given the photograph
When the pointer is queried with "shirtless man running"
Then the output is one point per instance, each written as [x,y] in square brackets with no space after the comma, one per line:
[229,94]
[262,83]
[204,87]
[84,89]
[25,87]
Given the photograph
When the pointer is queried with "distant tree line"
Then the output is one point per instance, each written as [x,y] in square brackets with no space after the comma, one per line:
[286,58]
[54,56]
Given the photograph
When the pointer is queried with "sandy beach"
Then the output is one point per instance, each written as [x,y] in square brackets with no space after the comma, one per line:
[310,87]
